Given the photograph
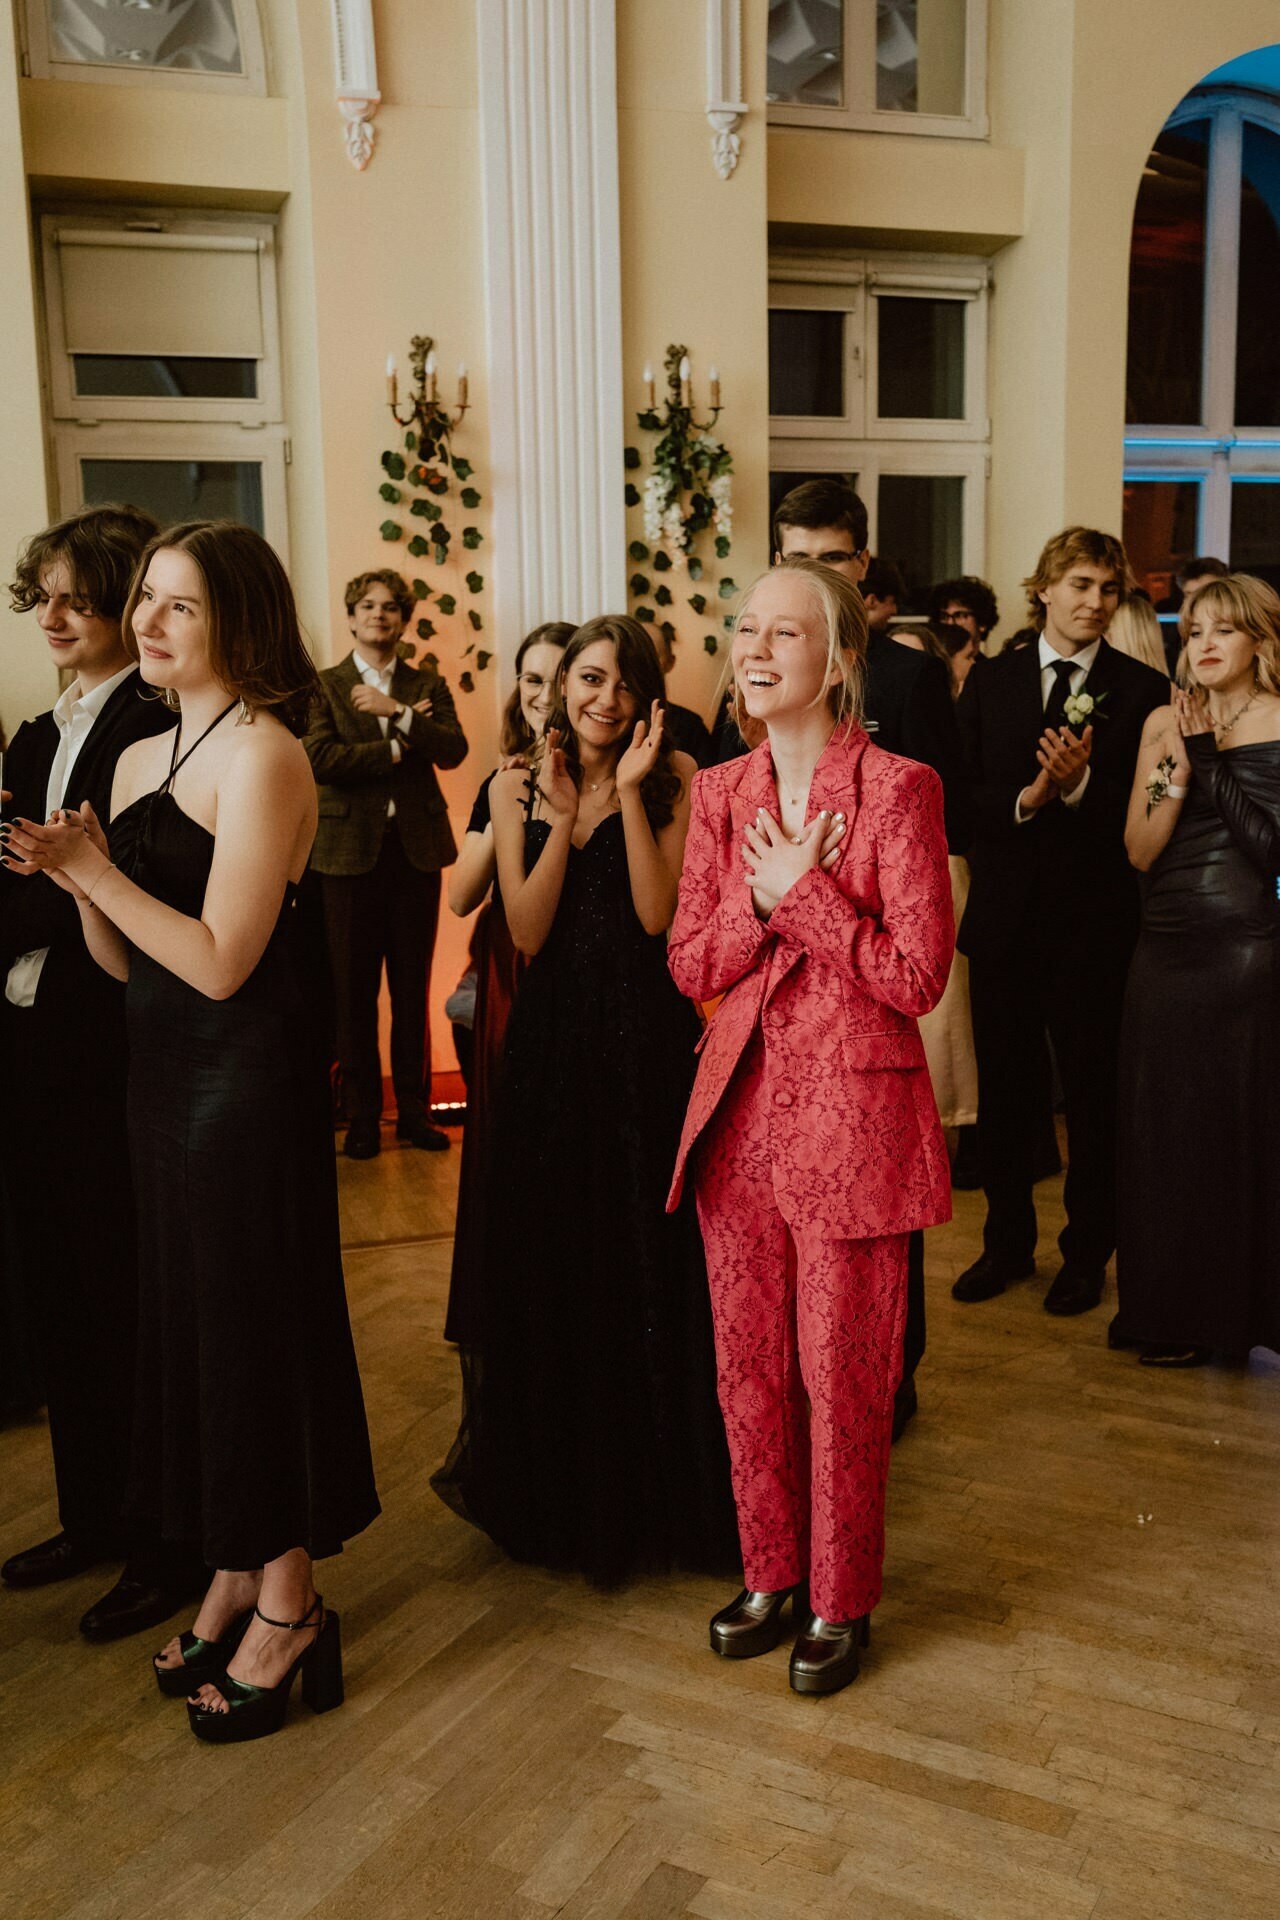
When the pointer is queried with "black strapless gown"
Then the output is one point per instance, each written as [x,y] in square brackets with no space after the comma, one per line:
[1198,1253]
[250,1434]
[591,1437]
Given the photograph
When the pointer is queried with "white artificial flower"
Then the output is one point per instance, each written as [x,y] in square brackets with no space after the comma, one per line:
[655,502]
[721,491]
[673,529]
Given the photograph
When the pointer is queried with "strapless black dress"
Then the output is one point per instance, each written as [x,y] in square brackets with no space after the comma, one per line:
[1198,1252]
[250,1435]
[591,1437]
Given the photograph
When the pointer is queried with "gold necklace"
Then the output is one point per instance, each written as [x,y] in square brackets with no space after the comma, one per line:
[1223,727]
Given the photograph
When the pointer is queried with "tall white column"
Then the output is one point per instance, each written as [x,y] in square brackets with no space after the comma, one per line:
[549,134]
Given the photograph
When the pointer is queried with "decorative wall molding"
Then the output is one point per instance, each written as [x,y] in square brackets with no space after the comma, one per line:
[553,292]
[726,107]
[355,67]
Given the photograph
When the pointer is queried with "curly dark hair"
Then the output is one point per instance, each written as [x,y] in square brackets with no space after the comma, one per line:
[395,583]
[638,665]
[100,548]
[974,595]
[515,735]
[256,648]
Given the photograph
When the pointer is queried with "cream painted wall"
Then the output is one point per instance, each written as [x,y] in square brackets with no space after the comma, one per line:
[695,268]
[28,682]
[893,190]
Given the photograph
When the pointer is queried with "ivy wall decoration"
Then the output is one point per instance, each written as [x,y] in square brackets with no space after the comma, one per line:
[688,509]
[424,481]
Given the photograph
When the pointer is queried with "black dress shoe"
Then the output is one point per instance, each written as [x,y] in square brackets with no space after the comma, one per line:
[1175,1358]
[906,1405]
[132,1605]
[1074,1291]
[58,1559]
[752,1623]
[825,1657]
[363,1141]
[989,1276]
[421,1133]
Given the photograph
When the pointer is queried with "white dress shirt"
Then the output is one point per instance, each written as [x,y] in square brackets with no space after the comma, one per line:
[381,678]
[74,716]
[1080,665]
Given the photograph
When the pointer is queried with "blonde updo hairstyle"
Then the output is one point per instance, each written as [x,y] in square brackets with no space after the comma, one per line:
[845,619]
[1252,607]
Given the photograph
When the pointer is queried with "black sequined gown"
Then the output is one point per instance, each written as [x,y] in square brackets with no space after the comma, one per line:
[591,1439]
[249,1427]
[1198,1246]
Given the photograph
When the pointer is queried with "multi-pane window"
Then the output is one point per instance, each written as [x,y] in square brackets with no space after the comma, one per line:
[1202,446]
[164,365]
[180,42]
[877,373]
[904,65]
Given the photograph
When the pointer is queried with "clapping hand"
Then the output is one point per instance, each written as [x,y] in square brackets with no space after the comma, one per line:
[1192,713]
[1063,757]
[641,756]
[773,863]
[58,848]
[555,782]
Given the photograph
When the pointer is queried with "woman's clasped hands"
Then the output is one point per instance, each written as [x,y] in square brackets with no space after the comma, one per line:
[71,848]
[773,863]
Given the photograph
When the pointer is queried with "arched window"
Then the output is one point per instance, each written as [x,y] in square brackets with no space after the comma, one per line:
[1202,412]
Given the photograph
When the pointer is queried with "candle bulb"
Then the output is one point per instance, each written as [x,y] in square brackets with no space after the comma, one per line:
[648,383]
[462,385]
[684,379]
[393,393]
[430,370]
[713,376]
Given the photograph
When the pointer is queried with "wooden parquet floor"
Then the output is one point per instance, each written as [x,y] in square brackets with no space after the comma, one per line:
[1065,1715]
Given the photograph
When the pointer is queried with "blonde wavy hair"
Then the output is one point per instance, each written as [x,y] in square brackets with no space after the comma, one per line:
[1251,606]
[845,619]
[1068,549]
[1135,630]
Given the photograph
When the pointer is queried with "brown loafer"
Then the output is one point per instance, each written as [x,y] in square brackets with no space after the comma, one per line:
[825,1657]
[752,1623]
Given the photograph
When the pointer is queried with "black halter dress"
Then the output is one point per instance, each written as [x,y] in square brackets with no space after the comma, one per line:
[250,1434]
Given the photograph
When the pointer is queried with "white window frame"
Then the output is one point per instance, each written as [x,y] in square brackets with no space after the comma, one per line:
[268,447]
[1216,451]
[858,110]
[861,442]
[148,227]
[40,61]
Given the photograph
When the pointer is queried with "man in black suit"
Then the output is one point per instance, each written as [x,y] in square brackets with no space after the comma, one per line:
[1051,735]
[63,1032]
[909,711]
[378,732]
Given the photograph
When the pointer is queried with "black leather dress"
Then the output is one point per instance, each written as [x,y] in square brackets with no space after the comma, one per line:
[1198,1255]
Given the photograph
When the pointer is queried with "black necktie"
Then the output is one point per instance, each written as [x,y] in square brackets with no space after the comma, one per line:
[1055,712]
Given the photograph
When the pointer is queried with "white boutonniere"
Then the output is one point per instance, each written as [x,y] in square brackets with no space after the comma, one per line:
[1081,709]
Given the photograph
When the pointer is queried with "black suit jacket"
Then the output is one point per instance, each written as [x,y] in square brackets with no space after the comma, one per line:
[1062,880]
[909,699]
[80,1008]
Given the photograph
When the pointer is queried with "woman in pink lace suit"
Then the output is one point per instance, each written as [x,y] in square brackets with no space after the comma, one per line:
[815,896]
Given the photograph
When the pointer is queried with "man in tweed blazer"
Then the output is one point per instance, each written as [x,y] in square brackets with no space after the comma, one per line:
[377,734]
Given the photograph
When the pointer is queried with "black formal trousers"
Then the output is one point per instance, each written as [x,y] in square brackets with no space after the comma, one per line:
[66,1172]
[1015,999]
[385,917]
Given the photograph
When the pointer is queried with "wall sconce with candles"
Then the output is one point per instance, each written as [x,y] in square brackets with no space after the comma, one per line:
[420,477]
[687,494]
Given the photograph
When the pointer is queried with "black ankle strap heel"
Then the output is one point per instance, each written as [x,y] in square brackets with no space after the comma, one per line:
[253,1712]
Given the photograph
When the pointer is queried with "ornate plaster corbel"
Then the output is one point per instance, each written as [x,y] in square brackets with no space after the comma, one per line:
[355,66]
[725,105]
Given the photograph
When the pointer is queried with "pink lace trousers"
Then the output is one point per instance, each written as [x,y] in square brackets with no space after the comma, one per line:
[799,1319]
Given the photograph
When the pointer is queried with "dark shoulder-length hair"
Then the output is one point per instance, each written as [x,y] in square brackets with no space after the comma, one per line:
[642,675]
[99,546]
[256,649]
[516,735]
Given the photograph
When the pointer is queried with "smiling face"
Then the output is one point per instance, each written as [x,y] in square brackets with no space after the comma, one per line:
[537,684]
[1222,657]
[171,623]
[780,649]
[601,707]
[81,641]
[1078,607]
[833,546]
[376,620]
